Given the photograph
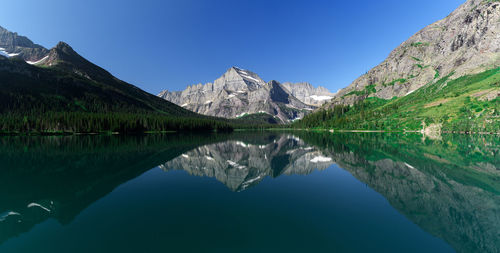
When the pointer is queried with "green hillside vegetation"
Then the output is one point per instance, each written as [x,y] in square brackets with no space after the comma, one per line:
[467,104]
[369,89]
[258,118]
[394,82]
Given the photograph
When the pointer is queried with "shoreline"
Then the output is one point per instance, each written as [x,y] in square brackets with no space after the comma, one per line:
[378,131]
[242,130]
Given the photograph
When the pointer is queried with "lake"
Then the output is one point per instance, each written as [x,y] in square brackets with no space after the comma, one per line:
[250,192]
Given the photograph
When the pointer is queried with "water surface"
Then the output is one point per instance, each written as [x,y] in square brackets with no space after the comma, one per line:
[250,192]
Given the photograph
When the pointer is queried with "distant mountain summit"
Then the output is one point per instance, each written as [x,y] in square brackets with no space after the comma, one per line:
[12,45]
[306,93]
[241,93]
[465,42]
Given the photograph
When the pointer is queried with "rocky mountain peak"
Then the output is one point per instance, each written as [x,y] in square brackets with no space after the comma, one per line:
[62,53]
[238,93]
[63,56]
[64,47]
[251,80]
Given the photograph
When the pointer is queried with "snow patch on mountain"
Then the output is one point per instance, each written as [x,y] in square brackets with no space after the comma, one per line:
[320,98]
[39,61]
[7,54]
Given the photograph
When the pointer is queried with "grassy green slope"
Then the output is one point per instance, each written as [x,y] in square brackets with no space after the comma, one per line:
[469,103]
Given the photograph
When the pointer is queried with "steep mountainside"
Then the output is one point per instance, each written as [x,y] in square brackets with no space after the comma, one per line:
[468,104]
[240,93]
[65,92]
[444,78]
[465,42]
[72,84]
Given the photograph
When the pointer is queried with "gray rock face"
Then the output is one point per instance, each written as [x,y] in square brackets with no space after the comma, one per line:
[240,165]
[465,42]
[12,44]
[307,94]
[241,92]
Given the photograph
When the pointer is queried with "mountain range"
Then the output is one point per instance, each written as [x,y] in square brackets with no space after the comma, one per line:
[444,78]
[240,93]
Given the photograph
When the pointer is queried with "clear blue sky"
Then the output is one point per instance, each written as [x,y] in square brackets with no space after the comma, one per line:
[167,44]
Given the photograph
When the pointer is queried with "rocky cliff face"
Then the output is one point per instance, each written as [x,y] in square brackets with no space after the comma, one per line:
[465,42]
[240,165]
[241,92]
[12,44]
[307,94]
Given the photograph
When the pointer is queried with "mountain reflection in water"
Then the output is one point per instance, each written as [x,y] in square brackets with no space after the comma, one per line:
[448,187]
[240,165]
